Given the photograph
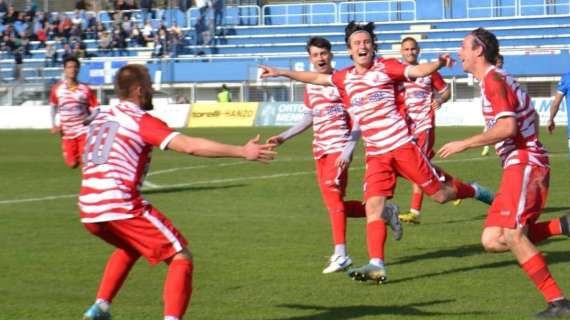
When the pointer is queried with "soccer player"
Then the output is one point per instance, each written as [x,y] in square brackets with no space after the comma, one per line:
[116,159]
[562,91]
[368,89]
[511,220]
[74,102]
[499,64]
[333,145]
[418,104]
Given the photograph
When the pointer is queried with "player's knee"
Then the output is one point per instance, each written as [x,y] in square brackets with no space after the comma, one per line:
[492,241]
[439,197]
[374,207]
[513,237]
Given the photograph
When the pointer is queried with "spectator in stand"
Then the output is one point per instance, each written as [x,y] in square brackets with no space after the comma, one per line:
[146,7]
[41,36]
[81,5]
[138,37]
[18,61]
[105,41]
[184,5]
[218,6]
[147,31]
[127,26]
[50,56]
[52,32]
[120,41]
[77,19]
[3,8]
[202,6]
[65,27]
[10,16]
[67,51]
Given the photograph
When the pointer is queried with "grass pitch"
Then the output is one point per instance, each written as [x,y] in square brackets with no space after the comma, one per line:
[260,236]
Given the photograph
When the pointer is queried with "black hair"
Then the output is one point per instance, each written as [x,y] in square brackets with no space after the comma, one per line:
[72,59]
[318,42]
[353,27]
[488,41]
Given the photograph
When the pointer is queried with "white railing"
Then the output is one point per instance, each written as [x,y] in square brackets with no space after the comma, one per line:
[515,8]
[232,15]
[305,13]
[378,11]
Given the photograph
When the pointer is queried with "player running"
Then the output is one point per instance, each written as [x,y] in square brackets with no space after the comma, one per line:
[333,144]
[511,119]
[117,157]
[418,103]
[368,89]
[74,102]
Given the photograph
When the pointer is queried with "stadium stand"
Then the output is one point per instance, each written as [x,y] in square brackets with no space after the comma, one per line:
[189,48]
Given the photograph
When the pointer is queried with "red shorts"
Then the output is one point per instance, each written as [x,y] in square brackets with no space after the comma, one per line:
[150,234]
[521,197]
[73,150]
[408,161]
[425,140]
[332,180]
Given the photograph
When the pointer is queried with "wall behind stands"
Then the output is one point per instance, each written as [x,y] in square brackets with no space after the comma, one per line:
[259,114]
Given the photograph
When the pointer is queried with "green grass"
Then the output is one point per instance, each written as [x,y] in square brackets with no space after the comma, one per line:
[260,243]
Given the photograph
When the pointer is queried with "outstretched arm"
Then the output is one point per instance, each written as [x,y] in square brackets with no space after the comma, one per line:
[553,111]
[425,69]
[200,147]
[301,126]
[504,128]
[303,76]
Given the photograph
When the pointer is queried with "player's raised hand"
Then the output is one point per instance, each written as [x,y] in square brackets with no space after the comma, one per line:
[254,151]
[268,72]
[451,148]
[445,60]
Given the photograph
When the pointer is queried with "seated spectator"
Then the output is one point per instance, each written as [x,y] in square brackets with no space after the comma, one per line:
[77,19]
[138,37]
[67,51]
[81,5]
[119,39]
[65,27]
[105,41]
[50,59]
[41,36]
[10,16]
[127,25]
[3,8]
[148,32]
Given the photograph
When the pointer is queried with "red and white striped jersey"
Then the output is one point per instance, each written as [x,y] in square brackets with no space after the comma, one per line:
[331,123]
[370,99]
[417,98]
[116,158]
[73,106]
[502,96]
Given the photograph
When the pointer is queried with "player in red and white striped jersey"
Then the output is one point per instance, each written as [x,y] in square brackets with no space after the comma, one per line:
[74,102]
[333,144]
[511,121]
[418,103]
[368,89]
[116,159]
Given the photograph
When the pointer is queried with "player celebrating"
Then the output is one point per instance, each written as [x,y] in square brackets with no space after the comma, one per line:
[74,102]
[116,159]
[511,220]
[368,89]
[419,105]
[333,145]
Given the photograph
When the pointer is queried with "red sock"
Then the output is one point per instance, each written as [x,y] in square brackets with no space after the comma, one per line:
[537,270]
[417,200]
[338,226]
[178,287]
[376,238]
[464,190]
[354,209]
[544,230]
[116,271]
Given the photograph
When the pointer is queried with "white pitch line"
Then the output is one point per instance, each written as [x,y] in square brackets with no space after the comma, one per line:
[272,176]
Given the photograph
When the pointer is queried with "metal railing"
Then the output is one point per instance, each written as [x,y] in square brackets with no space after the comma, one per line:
[304,13]
[378,11]
[515,8]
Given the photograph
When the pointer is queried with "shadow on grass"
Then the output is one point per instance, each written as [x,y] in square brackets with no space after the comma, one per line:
[160,190]
[556,209]
[458,252]
[355,312]
[551,257]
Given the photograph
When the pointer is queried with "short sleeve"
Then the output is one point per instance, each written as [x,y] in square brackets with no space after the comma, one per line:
[337,79]
[155,132]
[564,85]
[396,70]
[501,97]
[438,83]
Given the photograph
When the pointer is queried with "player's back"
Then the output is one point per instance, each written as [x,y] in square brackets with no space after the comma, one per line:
[115,159]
